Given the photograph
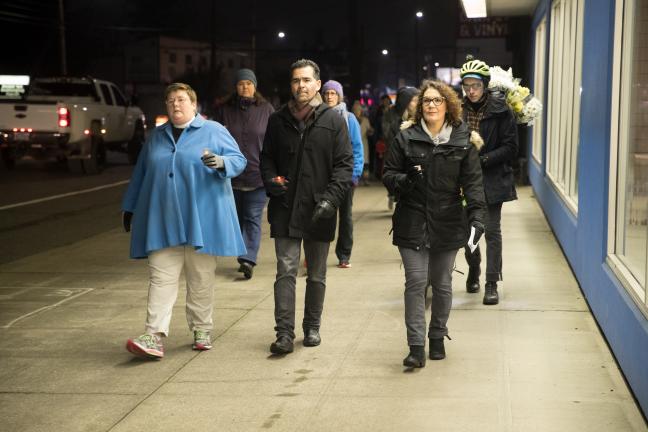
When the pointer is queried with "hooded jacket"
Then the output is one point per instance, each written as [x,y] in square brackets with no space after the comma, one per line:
[393,118]
[498,129]
[430,213]
[317,163]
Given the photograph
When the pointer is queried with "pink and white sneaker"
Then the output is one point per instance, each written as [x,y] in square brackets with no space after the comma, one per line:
[147,346]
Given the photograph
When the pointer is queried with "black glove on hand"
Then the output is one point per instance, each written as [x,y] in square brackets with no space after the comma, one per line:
[479,231]
[126,220]
[277,186]
[415,174]
[323,210]
[213,161]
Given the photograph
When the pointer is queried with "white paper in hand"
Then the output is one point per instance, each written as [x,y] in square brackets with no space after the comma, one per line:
[471,245]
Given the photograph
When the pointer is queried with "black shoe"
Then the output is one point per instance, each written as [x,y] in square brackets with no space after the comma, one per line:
[415,358]
[490,296]
[437,350]
[472,281]
[283,345]
[312,337]
[246,268]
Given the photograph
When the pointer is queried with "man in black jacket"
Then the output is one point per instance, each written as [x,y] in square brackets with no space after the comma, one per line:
[306,165]
[486,113]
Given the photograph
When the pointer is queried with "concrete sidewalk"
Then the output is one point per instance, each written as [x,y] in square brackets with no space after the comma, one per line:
[535,362]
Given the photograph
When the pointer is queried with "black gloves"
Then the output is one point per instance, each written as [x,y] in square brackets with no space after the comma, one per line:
[415,174]
[479,231]
[126,220]
[277,187]
[323,210]
[213,161]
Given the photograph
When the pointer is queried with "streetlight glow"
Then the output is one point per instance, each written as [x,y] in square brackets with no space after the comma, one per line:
[281,34]
[385,52]
[436,64]
[419,14]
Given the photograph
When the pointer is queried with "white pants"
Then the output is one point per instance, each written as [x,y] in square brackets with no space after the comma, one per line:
[165,267]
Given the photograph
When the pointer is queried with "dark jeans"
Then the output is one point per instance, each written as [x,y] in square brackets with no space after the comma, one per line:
[249,207]
[493,235]
[288,251]
[345,235]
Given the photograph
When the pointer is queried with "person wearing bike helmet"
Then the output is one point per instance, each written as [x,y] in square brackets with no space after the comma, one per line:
[487,113]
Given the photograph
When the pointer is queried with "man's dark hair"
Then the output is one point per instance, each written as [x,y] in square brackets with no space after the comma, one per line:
[302,63]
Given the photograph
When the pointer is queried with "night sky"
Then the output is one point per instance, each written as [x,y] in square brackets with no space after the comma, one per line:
[339,35]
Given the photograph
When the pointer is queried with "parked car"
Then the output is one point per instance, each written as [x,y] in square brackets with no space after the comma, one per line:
[75,120]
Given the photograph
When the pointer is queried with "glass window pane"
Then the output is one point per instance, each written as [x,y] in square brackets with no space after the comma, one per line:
[634,142]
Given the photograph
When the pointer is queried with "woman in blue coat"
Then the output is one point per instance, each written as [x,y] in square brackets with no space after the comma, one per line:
[180,206]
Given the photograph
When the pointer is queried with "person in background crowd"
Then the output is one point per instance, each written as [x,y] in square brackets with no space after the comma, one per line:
[365,132]
[428,165]
[180,209]
[487,114]
[306,165]
[403,110]
[245,115]
[333,96]
[377,142]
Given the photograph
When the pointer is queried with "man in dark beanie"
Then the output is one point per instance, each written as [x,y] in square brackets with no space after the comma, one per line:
[306,164]
[245,114]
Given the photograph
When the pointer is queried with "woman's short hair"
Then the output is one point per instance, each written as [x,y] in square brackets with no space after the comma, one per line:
[453,103]
[181,86]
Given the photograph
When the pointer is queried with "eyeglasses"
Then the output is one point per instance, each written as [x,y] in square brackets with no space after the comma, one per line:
[180,100]
[475,86]
[436,101]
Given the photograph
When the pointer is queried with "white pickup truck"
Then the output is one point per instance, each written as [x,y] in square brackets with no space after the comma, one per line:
[74,120]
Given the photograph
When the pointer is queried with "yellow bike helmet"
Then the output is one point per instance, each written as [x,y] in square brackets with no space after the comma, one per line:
[475,69]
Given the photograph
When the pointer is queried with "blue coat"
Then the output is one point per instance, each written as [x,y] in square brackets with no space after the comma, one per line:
[356,143]
[176,200]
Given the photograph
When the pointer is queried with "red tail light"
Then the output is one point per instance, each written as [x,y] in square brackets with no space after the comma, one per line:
[63,117]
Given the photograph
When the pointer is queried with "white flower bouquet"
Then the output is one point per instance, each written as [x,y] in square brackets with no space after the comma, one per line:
[524,105]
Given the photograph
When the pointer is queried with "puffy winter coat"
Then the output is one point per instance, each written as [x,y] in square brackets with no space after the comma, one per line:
[430,213]
[498,129]
[317,163]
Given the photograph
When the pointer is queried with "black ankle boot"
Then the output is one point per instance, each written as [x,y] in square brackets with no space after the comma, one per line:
[437,350]
[472,281]
[490,296]
[416,357]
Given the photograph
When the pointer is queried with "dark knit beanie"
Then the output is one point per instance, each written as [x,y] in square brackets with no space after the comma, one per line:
[246,74]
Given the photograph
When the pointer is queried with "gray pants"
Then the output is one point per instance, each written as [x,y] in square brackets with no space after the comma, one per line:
[421,269]
[288,252]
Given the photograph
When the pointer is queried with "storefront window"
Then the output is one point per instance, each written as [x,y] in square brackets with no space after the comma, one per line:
[632,183]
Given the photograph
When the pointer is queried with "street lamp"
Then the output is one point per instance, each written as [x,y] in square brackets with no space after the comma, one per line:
[419,16]
[281,35]
[385,52]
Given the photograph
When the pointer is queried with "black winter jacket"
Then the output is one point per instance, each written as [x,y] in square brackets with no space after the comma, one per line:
[317,163]
[498,129]
[430,213]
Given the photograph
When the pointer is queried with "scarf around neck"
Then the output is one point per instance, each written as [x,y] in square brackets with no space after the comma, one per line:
[303,114]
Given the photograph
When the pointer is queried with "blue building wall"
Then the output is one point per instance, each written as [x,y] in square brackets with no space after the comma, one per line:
[584,237]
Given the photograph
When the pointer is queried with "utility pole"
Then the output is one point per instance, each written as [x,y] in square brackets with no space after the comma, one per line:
[62,38]
[212,60]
